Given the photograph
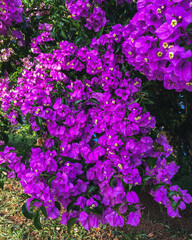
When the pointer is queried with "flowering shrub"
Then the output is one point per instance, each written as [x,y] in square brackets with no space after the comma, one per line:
[85,102]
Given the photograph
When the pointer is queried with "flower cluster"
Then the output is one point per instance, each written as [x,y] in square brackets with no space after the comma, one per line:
[155,41]
[178,199]
[11,12]
[93,15]
[45,36]
[6,54]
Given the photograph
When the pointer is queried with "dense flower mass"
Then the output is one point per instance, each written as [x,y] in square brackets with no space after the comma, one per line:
[71,116]
[11,12]
[98,145]
[94,16]
[155,41]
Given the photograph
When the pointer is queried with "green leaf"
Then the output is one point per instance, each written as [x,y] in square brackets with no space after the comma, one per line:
[174,204]
[43,210]
[5,137]
[100,32]
[38,121]
[70,223]
[3,169]
[49,180]
[58,205]
[19,119]
[96,210]
[147,101]
[76,103]
[27,117]
[72,206]
[27,213]
[53,34]
[1,184]
[151,162]
[118,48]
[94,100]
[36,220]
[78,40]
[171,193]
[189,27]
[70,159]
[112,182]
[130,186]
[131,208]
[92,189]
[157,186]
[146,179]
[63,34]
[117,206]
[32,203]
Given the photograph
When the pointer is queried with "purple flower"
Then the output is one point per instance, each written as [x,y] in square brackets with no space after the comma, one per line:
[132,198]
[134,218]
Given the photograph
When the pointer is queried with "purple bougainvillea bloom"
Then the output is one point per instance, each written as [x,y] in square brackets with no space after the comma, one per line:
[134,218]
[132,198]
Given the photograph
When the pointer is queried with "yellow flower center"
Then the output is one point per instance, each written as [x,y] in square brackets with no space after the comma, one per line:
[159,54]
[174,23]
[137,118]
[136,83]
[120,166]
[165,45]
[171,55]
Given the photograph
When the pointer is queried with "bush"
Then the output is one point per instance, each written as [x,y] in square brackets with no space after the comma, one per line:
[80,81]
